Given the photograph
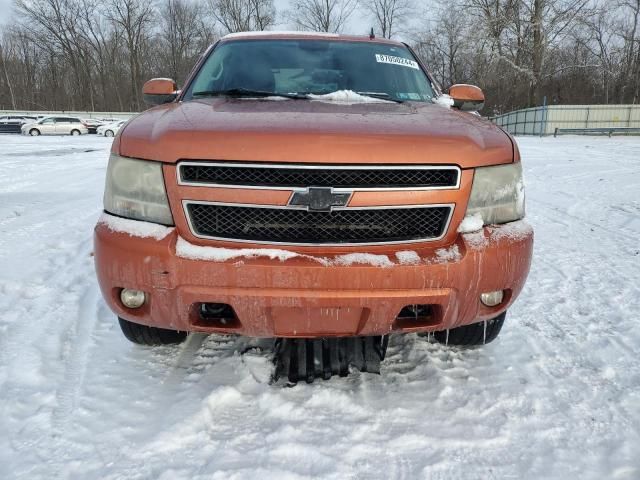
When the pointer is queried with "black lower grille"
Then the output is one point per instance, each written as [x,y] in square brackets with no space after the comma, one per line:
[281,225]
[320,176]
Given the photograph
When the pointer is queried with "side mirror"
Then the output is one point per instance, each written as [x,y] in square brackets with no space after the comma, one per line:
[468,98]
[159,90]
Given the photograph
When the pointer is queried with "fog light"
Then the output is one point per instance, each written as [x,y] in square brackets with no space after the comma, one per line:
[491,299]
[132,298]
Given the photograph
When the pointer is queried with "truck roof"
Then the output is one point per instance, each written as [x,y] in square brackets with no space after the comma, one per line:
[301,35]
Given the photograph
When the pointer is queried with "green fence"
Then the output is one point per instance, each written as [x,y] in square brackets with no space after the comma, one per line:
[545,120]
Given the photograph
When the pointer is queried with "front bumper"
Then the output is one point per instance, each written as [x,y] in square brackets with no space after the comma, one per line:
[307,297]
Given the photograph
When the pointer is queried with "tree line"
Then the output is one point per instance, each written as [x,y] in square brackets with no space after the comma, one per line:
[96,54]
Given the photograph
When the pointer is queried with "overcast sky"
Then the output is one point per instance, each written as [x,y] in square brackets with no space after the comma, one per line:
[5,10]
[358,23]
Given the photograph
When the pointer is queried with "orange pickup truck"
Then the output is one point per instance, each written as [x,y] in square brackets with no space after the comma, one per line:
[316,189]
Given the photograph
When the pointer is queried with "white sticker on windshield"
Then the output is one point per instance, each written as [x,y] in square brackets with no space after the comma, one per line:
[404,62]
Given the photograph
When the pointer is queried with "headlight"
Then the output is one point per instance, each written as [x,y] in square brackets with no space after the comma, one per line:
[135,189]
[497,193]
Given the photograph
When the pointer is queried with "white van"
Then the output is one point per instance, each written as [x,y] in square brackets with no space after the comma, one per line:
[55,126]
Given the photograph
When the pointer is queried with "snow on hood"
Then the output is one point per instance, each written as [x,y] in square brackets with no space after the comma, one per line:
[347,96]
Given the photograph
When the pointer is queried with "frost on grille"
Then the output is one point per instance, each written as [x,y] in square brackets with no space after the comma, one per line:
[298,226]
[319,177]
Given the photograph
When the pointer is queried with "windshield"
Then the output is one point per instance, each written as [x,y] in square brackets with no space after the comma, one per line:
[302,67]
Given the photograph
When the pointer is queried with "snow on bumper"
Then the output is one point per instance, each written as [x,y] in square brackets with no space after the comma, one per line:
[281,293]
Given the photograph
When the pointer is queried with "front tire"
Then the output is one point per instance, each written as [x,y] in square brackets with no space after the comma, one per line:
[474,334]
[108,133]
[151,336]
[34,132]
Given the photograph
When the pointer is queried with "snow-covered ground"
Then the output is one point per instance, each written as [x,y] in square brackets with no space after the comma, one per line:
[556,396]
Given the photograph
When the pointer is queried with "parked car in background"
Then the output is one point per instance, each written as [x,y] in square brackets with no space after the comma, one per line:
[92,124]
[57,125]
[110,129]
[13,123]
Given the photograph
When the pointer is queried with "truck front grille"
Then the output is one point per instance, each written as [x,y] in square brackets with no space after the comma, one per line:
[336,176]
[264,224]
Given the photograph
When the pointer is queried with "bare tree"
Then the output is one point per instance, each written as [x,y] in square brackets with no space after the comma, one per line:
[5,45]
[598,38]
[388,14]
[243,15]
[183,35]
[135,19]
[54,24]
[95,54]
[551,21]
[496,16]
[444,45]
[321,15]
[524,32]
[629,27]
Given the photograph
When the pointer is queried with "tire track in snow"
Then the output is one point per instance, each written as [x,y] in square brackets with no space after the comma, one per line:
[35,314]
[563,213]
[574,279]
[188,352]
[77,340]
[58,322]
[199,353]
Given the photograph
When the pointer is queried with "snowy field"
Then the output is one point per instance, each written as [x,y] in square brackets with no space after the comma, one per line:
[556,396]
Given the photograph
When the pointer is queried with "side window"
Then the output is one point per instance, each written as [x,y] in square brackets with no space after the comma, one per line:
[49,121]
[62,120]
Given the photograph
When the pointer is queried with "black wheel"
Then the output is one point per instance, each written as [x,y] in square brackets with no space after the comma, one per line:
[108,133]
[34,132]
[144,335]
[75,133]
[474,334]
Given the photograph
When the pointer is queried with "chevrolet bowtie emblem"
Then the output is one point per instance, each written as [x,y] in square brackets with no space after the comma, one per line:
[319,199]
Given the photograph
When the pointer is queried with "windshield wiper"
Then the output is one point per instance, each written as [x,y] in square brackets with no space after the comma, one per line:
[247,93]
[381,95]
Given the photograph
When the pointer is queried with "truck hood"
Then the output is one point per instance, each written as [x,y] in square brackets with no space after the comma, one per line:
[304,131]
